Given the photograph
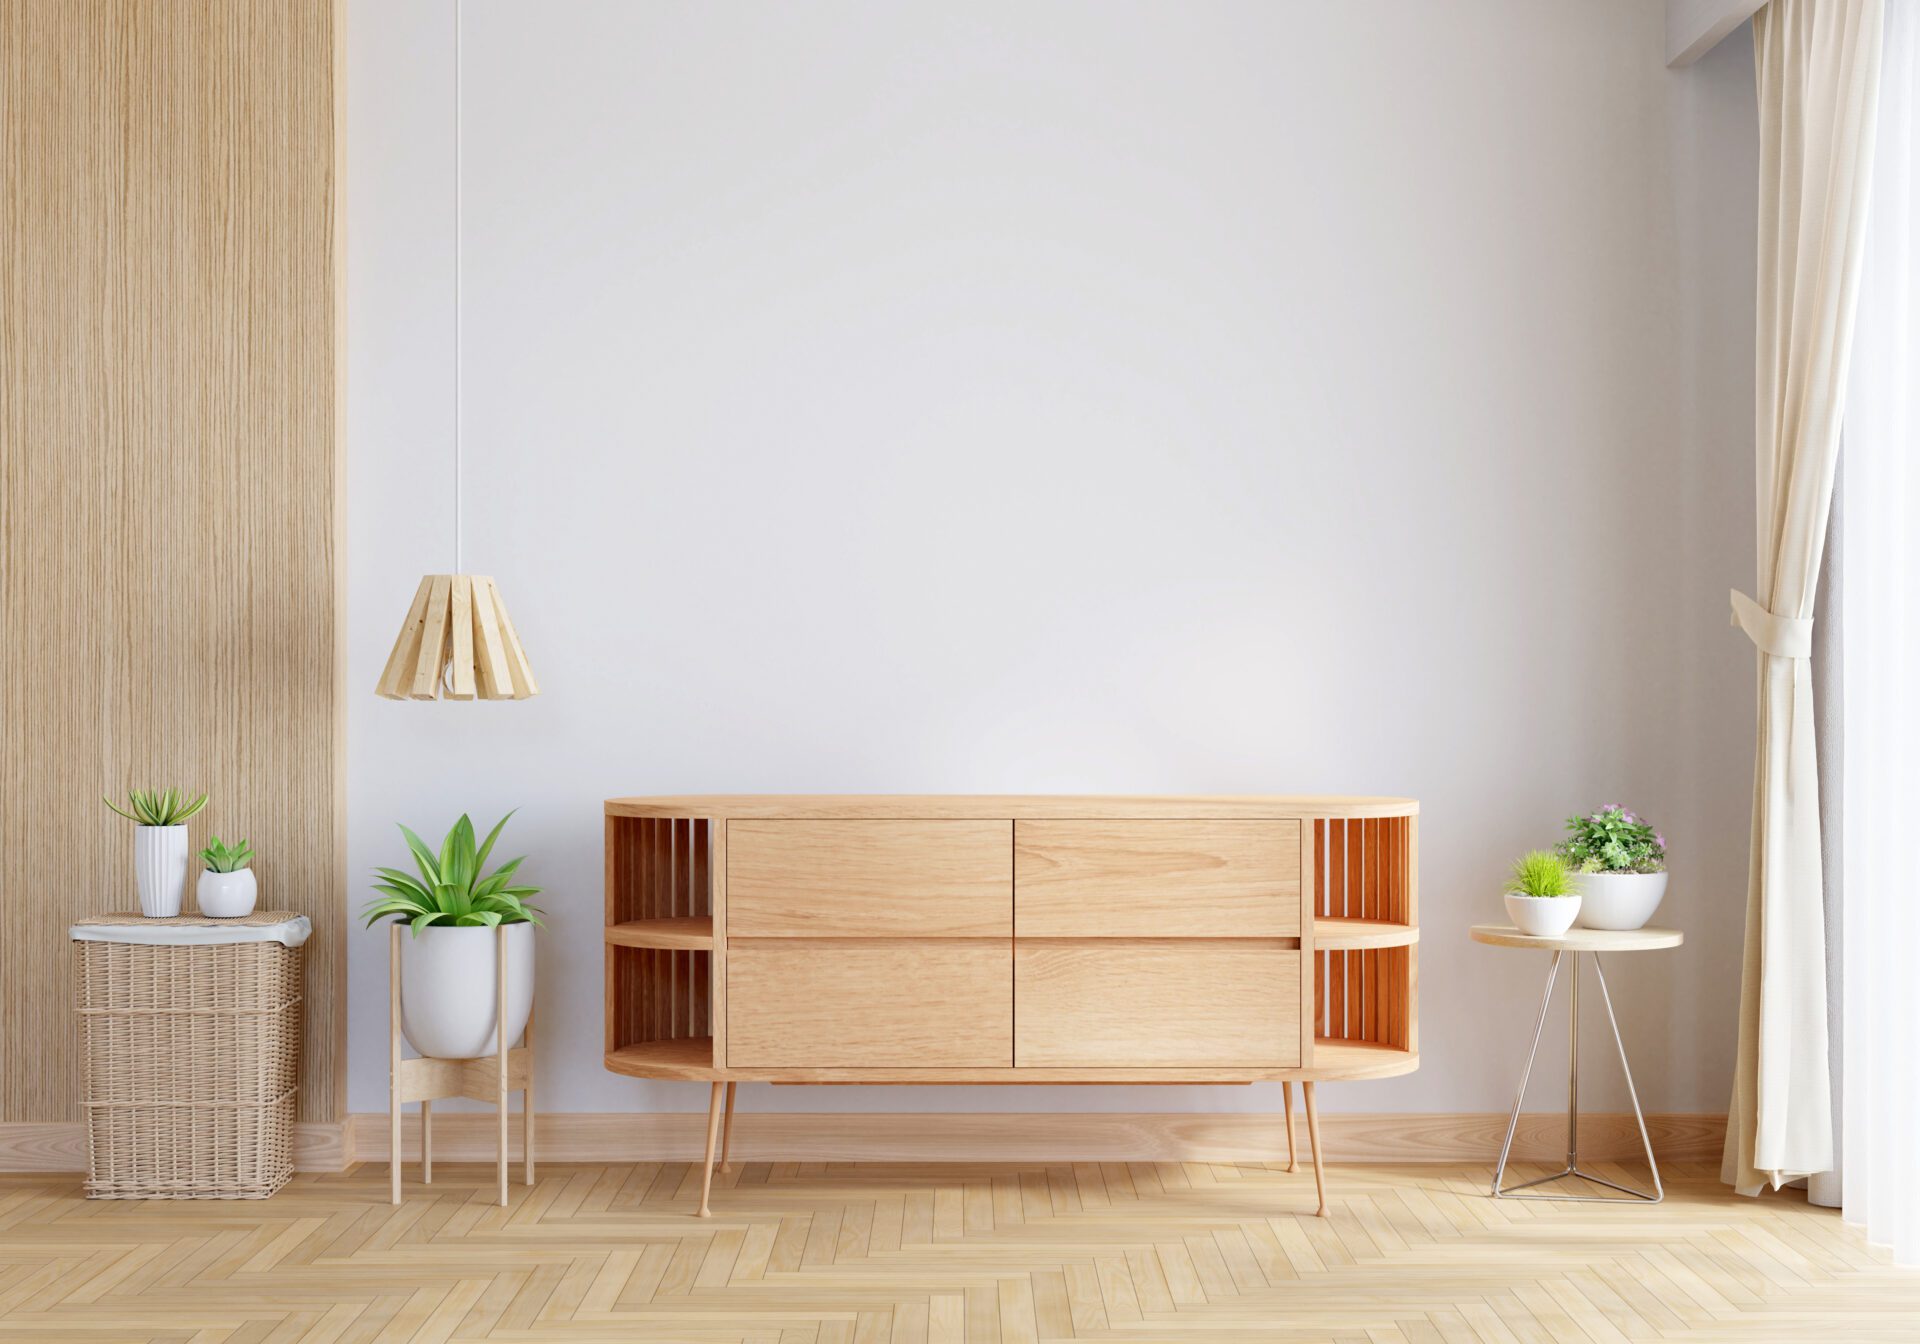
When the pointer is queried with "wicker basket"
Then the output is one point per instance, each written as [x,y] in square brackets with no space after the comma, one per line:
[191,1058]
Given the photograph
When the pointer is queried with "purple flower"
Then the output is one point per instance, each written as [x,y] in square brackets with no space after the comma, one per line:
[1660,840]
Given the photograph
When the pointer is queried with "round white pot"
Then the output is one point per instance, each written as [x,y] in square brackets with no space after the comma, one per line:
[1619,900]
[226,895]
[448,979]
[160,869]
[1542,916]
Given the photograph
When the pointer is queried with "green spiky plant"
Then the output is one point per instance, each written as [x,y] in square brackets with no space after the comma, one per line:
[224,858]
[151,807]
[453,886]
[1540,872]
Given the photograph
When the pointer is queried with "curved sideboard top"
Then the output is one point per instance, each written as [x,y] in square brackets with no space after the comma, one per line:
[1010,806]
[1011,939]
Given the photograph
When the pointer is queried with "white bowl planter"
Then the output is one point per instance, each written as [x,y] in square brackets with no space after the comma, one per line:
[1619,900]
[160,869]
[226,895]
[448,980]
[1542,916]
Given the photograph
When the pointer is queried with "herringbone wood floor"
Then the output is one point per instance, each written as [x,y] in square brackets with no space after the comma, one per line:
[868,1253]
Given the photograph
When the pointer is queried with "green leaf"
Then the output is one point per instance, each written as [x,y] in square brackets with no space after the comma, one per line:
[429,866]
[421,921]
[480,859]
[123,812]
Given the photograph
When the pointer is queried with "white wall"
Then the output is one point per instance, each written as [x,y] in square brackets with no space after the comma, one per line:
[1281,397]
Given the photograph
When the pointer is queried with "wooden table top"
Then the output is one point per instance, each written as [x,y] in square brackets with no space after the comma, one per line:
[1580,940]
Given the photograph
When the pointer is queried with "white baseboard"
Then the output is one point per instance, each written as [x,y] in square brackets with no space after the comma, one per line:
[1042,1137]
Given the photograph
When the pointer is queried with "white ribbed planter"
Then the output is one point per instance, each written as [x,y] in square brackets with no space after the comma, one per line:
[160,869]
[226,895]
[447,982]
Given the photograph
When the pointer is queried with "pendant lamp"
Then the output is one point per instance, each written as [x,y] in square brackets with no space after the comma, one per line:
[458,641]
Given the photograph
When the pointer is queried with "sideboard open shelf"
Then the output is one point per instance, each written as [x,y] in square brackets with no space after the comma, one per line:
[848,939]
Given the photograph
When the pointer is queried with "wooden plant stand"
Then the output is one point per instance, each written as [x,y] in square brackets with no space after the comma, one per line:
[489,1078]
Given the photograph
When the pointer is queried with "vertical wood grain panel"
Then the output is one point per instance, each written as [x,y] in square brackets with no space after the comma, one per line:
[169,479]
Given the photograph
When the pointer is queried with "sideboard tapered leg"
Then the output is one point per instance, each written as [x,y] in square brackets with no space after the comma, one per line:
[1313,1146]
[713,1139]
[726,1131]
[1286,1099]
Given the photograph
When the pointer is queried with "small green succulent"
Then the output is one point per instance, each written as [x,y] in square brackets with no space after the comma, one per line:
[222,858]
[1540,872]
[453,886]
[151,807]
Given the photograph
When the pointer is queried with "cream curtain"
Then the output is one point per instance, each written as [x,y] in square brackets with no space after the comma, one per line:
[1817,65]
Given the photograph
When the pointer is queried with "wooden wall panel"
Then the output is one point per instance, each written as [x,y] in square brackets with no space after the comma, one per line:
[169,479]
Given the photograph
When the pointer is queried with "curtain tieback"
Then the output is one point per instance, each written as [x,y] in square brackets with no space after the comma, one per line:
[1781,636]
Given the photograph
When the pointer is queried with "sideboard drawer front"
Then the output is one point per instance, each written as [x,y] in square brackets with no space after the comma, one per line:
[870,879]
[1157,1003]
[869,1003]
[1157,879]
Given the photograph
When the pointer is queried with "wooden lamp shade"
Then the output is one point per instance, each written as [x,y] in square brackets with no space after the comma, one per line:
[459,643]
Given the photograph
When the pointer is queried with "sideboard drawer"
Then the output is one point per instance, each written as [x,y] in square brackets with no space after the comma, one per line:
[870,879]
[1157,1003]
[869,1003]
[1157,879]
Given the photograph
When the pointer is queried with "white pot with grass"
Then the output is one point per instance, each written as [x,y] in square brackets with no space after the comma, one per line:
[1540,896]
[459,918]
[1620,866]
[226,889]
[159,846]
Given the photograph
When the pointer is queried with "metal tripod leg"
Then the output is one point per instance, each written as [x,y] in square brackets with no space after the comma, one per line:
[1572,1167]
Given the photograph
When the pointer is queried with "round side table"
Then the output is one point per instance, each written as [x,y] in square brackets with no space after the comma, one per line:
[1574,942]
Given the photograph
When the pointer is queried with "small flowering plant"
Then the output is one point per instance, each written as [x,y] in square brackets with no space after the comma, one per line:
[1614,840]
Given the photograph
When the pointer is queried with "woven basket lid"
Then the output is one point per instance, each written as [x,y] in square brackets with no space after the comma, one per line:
[262,926]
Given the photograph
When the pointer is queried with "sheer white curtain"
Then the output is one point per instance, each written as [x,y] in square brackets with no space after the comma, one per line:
[1880,621]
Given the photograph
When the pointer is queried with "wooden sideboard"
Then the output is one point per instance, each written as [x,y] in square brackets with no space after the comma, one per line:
[844,939]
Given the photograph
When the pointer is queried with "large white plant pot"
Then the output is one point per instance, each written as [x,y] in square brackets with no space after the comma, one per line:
[448,979]
[1619,900]
[160,869]
[1542,916]
[226,895]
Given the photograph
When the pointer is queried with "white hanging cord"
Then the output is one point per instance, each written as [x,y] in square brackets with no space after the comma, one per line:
[457,194]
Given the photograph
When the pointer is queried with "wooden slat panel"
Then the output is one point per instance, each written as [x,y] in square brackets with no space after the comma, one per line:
[1156,1003]
[169,484]
[869,879]
[1156,879]
[1336,905]
[902,1003]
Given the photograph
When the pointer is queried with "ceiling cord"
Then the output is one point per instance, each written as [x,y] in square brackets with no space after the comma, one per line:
[458,93]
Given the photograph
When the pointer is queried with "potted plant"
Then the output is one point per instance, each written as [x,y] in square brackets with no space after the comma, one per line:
[159,846]
[447,973]
[1620,867]
[1540,895]
[226,889]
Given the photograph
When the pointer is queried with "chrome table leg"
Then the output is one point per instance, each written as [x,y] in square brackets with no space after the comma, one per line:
[1572,1168]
